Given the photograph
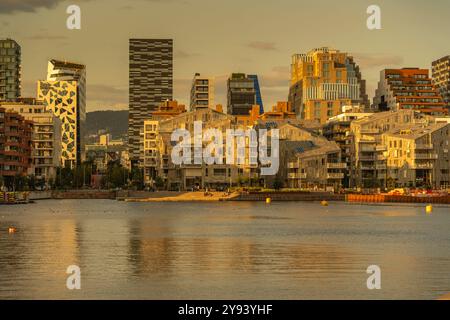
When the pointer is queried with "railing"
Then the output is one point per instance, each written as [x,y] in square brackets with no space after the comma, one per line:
[332,165]
[370,131]
[424,146]
[335,176]
[297,175]
[367,158]
[422,166]
[426,156]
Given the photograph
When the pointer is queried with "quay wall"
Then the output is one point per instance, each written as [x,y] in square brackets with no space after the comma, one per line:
[84,194]
[386,198]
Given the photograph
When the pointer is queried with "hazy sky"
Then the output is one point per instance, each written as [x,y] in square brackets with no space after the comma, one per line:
[220,37]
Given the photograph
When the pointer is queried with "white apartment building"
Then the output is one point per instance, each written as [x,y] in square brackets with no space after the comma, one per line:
[202,92]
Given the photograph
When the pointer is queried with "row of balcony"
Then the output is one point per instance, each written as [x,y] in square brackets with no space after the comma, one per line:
[338,175]
[426,156]
[330,165]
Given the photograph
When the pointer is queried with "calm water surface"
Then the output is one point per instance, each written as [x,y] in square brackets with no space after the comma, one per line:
[233,250]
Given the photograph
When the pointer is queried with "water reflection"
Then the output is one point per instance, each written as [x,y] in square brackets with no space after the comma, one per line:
[239,250]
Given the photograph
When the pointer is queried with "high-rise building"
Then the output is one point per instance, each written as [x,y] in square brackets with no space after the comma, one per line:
[441,77]
[64,93]
[150,83]
[322,82]
[202,92]
[10,70]
[408,88]
[259,101]
[46,137]
[241,94]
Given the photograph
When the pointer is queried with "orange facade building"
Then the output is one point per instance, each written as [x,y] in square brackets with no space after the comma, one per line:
[15,145]
[408,88]
[168,109]
[282,111]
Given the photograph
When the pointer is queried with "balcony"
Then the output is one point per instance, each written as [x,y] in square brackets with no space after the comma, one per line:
[296,175]
[332,165]
[335,176]
[368,148]
[381,148]
[367,158]
[426,156]
[367,167]
[370,131]
[422,166]
[293,165]
[424,147]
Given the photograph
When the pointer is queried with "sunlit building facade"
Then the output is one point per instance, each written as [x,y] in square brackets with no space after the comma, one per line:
[441,77]
[323,81]
[202,92]
[408,88]
[64,93]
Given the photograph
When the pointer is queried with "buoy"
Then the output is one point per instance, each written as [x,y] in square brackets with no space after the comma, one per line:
[324,203]
[429,209]
[12,230]
[268,200]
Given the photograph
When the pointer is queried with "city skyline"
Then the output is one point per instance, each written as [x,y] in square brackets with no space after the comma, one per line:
[264,49]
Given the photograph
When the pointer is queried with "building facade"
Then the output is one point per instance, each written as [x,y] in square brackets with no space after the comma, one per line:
[45,140]
[15,146]
[150,83]
[308,160]
[441,77]
[337,129]
[202,92]
[64,93]
[241,94]
[322,82]
[368,154]
[10,70]
[418,155]
[408,88]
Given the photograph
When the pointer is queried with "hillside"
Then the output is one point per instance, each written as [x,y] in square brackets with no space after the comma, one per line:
[115,122]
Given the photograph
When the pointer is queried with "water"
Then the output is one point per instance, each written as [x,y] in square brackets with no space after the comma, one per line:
[232,250]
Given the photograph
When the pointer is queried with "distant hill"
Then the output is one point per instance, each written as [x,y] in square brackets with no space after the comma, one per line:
[115,122]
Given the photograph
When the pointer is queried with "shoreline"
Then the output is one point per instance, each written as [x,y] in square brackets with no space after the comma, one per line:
[252,196]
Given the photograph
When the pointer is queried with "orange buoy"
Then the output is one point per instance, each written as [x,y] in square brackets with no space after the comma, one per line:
[12,230]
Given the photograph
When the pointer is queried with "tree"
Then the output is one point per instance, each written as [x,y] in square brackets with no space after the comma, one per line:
[159,182]
[277,183]
[137,178]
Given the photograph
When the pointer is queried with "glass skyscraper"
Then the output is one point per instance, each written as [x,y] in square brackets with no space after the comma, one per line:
[258,96]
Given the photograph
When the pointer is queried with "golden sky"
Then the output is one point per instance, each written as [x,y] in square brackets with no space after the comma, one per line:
[220,37]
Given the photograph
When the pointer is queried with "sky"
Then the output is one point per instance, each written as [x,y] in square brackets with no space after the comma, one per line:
[217,38]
